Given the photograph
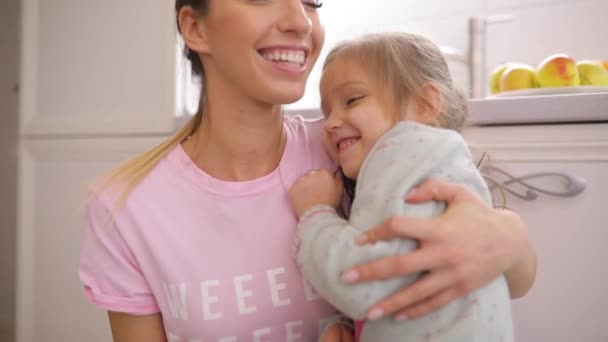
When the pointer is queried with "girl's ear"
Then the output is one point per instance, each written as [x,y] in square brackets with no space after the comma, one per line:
[193,30]
[428,102]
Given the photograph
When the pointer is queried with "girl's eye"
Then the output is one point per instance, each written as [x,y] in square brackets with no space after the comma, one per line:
[313,3]
[352,100]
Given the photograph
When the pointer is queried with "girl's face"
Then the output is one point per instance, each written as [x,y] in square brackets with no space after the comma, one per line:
[358,111]
[263,49]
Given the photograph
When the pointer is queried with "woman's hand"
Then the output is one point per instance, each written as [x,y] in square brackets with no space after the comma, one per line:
[316,188]
[465,248]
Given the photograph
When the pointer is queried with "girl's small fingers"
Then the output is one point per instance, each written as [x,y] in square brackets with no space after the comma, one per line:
[339,179]
[347,335]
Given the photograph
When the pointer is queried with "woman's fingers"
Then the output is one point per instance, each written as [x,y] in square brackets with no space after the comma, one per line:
[424,288]
[430,304]
[438,190]
[398,227]
[396,266]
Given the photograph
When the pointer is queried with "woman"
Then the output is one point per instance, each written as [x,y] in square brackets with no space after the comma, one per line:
[197,245]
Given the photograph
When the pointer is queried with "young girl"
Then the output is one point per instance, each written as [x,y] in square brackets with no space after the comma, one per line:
[198,244]
[392,121]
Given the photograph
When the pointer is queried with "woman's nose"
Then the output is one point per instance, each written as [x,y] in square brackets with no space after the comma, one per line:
[295,19]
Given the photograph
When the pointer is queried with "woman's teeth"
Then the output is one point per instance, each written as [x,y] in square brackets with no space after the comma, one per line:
[296,57]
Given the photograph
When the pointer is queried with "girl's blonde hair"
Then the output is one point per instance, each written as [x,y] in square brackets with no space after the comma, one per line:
[405,62]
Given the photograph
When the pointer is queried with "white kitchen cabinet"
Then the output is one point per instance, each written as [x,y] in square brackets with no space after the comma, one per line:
[92,74]
[54,177]
[97,67]
[569,301]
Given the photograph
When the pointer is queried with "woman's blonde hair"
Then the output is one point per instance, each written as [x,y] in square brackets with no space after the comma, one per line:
[130,173]
[405,62]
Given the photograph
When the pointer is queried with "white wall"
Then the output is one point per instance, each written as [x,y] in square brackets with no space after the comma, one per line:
[543,27]
[539,28]
[9,14]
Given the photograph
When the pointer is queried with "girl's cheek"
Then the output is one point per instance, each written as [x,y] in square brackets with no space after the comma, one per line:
[329,146]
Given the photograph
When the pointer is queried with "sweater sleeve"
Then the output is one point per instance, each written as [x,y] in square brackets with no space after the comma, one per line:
[408,155]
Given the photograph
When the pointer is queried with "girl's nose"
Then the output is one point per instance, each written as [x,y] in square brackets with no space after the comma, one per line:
[332,122]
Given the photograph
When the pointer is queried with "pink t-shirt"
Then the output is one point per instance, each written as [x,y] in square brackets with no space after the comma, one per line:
[213,257]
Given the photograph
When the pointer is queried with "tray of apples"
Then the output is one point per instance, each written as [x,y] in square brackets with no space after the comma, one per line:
[556,74]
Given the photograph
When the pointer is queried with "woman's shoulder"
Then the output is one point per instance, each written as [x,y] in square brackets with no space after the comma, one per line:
[117,196]
[313,127]
[308,134]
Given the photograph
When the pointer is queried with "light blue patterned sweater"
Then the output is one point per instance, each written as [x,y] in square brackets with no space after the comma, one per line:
[404,157]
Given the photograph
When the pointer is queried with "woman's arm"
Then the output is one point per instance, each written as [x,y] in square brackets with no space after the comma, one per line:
[131,328]
[465,248]
[521,275]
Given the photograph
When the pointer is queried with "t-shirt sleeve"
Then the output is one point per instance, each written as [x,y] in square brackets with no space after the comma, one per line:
[108,270]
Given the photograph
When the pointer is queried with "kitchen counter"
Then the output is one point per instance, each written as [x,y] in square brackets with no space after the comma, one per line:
[545,109]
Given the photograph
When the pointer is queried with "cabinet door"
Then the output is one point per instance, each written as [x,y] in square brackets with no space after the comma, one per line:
[97,67]
[569,301]
[54,177]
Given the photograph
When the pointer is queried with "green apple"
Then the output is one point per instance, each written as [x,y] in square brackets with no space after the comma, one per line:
[518,76]
[592,73]
[603,63]
[495,77]
[558,70]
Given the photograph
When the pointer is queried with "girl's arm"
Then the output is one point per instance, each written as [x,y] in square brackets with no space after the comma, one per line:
[464,248]
[131,328]
[327,248]
[338,333]
[327,242]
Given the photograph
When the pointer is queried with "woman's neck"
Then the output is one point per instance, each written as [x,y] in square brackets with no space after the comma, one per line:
[236,142]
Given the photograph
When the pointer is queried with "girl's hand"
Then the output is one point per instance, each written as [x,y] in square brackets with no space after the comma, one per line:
[338,333]
[316,188]
[465,248]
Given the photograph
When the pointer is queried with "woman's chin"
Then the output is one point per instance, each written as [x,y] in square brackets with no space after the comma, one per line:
[286,95]
[286,99]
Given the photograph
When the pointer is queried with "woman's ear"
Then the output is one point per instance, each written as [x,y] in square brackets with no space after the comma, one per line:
[193,30]
[429,103]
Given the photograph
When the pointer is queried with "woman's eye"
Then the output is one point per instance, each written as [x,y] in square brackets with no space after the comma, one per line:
[352,100]
[313,3]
